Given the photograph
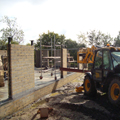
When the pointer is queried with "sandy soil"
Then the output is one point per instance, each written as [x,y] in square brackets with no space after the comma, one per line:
[69,105]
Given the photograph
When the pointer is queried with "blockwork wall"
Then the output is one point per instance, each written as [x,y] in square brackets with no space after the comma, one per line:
[63,61]
[22,69]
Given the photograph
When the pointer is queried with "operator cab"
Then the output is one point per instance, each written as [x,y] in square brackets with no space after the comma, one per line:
[106,63]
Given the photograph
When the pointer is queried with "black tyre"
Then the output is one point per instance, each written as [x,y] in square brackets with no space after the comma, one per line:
[114,91]
[89,87]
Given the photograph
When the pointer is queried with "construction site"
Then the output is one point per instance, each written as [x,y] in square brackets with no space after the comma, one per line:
[37,83]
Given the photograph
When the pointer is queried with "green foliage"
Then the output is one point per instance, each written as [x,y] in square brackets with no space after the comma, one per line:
[82,38]
[94,37]
[46,39]
[70,43]
[107,39]
[15,42]
[28,44]
[59,40]
[11,30]
[3,45]
[99,38]
[117,40]
[73,44]
[73,64]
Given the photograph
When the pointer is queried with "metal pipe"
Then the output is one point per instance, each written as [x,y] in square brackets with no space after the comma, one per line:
[9,67]
[73,70]
[60,48]
[32,42]
[54,59]
[41,57]
[61,61]
[51,60]
[51,46]
[47,49]
[54,45]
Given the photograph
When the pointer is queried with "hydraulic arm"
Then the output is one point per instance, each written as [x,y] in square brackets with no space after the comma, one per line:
[86,55]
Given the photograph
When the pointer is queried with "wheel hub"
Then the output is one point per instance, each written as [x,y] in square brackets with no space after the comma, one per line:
[116,91]
[88,85]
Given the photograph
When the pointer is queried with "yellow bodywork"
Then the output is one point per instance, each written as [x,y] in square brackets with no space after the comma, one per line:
[86,55]
[79,89]
[97,75]
[89,55]
[113,87]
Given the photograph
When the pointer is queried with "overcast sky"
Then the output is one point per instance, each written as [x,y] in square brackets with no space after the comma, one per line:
[68,17]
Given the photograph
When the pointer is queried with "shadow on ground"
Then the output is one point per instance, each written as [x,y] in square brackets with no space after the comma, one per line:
[97,108]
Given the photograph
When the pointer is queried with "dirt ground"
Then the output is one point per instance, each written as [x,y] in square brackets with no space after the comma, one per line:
[69,105]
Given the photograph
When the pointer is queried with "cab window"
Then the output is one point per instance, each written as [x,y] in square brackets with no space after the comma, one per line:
[107,63]
[115,58]
[98,60]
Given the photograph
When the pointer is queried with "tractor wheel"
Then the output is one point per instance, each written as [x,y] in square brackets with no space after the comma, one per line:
[114,91]
[89,87]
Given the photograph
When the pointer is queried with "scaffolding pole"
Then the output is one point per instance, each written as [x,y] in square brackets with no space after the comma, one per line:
[55,59]
[41,57]
[51,60]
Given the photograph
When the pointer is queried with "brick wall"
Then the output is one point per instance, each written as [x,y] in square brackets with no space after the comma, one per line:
[22,69]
